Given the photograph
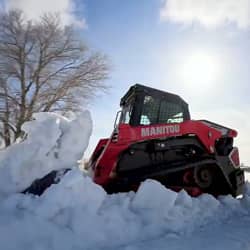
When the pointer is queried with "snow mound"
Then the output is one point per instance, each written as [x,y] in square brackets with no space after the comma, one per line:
[53,142]
[78,214]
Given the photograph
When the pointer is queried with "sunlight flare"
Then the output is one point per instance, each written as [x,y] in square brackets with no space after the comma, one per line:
[200,69]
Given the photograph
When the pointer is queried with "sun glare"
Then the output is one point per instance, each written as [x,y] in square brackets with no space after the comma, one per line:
[200,70]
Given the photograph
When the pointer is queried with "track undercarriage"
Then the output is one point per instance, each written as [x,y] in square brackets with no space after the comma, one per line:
[178,164]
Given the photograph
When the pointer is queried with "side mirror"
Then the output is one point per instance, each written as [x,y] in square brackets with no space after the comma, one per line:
[117,118]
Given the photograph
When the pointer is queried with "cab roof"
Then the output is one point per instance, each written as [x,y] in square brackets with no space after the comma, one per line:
[139,89]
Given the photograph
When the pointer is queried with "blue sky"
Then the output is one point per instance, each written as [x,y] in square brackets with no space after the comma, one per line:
[144,49]
[150,41]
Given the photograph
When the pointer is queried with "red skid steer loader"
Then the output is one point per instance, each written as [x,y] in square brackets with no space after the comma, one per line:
[155,138]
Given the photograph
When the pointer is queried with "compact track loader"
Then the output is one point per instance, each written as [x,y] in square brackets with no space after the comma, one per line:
[156,139]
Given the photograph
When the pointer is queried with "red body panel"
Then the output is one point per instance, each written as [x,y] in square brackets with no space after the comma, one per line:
[207,132]
[100,144]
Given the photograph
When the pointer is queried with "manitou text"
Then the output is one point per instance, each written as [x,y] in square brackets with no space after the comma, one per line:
[160,130]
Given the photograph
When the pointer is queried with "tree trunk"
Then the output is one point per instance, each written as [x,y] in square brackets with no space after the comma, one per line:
[6,131]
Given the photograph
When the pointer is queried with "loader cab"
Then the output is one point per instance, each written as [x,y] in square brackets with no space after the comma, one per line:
[143,105]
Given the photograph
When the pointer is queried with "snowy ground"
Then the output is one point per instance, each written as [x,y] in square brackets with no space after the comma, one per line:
[78,214]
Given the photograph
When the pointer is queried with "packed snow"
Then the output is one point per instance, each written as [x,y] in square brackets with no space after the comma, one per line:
[78,214]
[52,142]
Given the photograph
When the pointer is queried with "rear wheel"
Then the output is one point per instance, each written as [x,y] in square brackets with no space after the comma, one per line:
[205,177]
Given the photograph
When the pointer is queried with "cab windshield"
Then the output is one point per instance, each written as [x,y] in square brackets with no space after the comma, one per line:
[155,111]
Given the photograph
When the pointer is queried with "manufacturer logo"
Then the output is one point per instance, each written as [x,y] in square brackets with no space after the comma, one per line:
[160,130]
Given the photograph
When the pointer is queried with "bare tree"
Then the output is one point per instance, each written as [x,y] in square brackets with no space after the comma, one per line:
[43,67]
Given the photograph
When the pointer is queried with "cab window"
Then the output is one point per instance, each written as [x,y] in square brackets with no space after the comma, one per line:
[126,112]
[155,111]
[149,110]
[170,112]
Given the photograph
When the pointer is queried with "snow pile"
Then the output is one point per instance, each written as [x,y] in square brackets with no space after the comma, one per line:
[53,142]
[78,214]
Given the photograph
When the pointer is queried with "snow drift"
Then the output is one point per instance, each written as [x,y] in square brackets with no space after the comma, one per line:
[78,214]
[53,142]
